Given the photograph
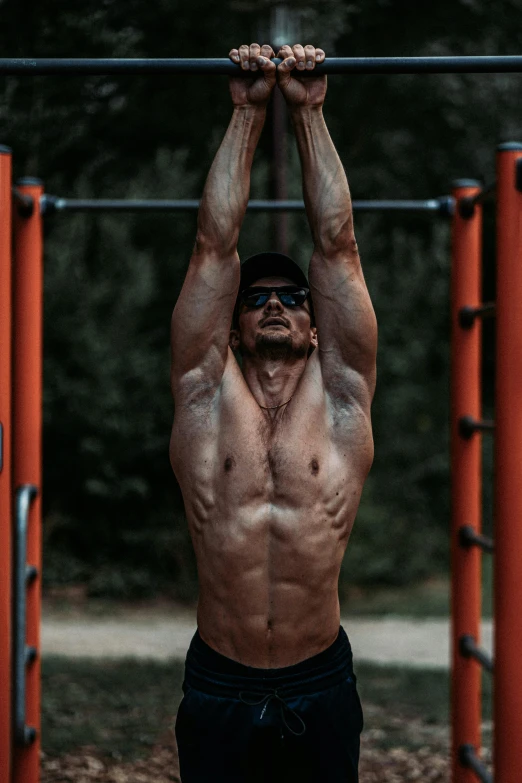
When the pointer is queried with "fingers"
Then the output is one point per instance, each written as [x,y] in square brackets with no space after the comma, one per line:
[253,57]
[255,51]
[309,53]
[234,55]
[244,53]
[300,57]
[267,51]
[285,52]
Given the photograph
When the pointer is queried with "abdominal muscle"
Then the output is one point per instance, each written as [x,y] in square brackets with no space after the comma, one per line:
[269,583]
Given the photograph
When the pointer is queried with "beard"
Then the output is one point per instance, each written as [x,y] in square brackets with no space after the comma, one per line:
[278,347]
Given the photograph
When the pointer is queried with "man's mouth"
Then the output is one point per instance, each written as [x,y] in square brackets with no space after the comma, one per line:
[274,322]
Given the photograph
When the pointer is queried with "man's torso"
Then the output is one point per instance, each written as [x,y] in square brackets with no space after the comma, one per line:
[270,499]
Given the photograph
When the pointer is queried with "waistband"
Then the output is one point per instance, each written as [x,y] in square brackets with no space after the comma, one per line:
[213,673]
[208,671]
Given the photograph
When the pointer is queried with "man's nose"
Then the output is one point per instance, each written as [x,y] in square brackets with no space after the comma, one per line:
[273,302]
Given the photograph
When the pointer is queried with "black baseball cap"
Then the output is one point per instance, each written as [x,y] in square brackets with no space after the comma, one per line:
[271,264]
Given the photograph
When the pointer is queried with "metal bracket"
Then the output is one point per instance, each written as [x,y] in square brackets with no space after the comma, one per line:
[468,758]
[468,426]
[24,655]
[468,536]
[468,314]
[468,648]
[24,202]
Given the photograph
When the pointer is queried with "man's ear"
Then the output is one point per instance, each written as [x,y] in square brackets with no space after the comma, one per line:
[313,338]
[234,340]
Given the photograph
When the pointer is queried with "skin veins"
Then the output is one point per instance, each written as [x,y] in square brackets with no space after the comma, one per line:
[271,495]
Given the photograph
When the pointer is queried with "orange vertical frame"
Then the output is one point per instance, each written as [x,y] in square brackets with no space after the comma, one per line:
[5,464]
[27,441]
[466,476]
[508,473]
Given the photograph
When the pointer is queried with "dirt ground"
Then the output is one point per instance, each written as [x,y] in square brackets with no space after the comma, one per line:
[161,635]
[396,765]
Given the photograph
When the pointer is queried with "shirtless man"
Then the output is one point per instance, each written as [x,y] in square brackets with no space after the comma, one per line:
[272,457]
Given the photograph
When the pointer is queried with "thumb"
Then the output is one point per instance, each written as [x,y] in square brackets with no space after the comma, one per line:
[284,71]
[267,67]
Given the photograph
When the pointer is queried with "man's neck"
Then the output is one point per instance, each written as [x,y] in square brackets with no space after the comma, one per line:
[272,382]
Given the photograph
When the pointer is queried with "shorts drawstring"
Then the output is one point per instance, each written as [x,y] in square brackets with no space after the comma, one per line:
[265,699]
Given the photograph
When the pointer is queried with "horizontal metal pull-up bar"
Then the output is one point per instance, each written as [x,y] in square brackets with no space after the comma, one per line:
[51,204]
[207,65]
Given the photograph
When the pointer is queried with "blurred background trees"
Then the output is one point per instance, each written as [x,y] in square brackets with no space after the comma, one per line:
[113,512]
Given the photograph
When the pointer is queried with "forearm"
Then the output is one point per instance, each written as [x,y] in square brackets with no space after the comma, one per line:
[227,188]
[325,187]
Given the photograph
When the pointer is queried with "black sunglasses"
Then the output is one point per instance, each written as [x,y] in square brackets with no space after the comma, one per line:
[288,295]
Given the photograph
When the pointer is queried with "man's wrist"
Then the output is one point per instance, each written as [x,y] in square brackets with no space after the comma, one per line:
[303,113]
[251,109]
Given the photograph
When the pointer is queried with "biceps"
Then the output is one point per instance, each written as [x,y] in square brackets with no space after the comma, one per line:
[202,316]
[346,323]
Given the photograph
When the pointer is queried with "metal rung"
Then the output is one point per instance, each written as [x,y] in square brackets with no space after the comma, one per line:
[468,426]
[24,655]
[468,758]
[469,649]
[467,315]
[468,536]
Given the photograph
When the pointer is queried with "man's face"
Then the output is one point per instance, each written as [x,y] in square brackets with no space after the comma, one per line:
[274,331]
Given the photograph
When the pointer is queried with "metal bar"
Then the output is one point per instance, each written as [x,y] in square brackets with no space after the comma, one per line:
[466,475]
[24,203]
[467,205]
[507,705]
[468,536]
[23,654]
[50,204]
[469,759]
[27,447]
[468,314]
[468,426]
[224,66]
[5,466]
[468,648]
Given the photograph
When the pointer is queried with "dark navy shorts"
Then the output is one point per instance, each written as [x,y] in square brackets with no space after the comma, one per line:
[241,724]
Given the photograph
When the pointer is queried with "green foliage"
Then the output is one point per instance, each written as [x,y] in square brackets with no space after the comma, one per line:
[113,512]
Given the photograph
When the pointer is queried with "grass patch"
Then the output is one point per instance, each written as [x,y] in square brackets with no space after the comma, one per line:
[409,708]
[123,707]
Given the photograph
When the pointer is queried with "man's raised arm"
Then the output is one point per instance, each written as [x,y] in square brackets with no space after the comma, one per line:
[346,325]
[203,313]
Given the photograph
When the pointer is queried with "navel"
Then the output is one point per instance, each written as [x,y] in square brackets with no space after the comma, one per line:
[229,464]
[314,467]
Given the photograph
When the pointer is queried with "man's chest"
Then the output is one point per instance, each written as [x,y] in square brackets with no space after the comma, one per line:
[245,455]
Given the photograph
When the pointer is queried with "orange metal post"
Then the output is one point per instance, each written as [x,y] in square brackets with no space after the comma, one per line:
[27,439]
[5,463]
[466,477]
[508,473]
